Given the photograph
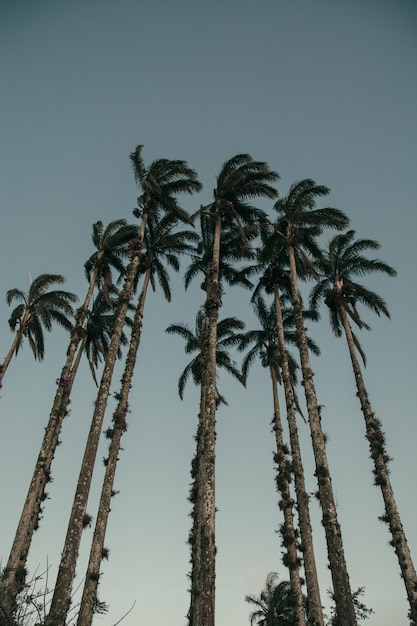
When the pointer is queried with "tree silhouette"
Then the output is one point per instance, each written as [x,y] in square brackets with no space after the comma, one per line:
[340,265]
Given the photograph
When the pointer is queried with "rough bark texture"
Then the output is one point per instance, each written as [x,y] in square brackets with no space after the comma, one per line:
[315,611]
[288,532]
[66,572]
[202,536]
[89,597]
[15,573]
[345,610]
[376,440]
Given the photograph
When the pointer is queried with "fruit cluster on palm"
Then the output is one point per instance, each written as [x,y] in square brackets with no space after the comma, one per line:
[237,245]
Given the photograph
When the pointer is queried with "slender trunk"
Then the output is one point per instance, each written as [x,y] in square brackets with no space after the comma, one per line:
[13,349]
[287,530]
[13,580]
[62,593]
[376,440]
[202,536]
[345,609]
[315,611]
[89,597]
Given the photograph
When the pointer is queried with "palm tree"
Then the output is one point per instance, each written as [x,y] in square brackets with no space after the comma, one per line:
[340,265]
[111,248]
[273,605]
[161,182]
[240,179]
[265,345]
[275,280]
[162,244]
[298,225]
[226,337]
[38,310]
[195,343]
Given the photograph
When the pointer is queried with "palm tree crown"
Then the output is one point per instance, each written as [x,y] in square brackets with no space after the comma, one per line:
[265,342]
[273,604]
[164,243]
[339,266]
[99,329]
[38,310]
[160,182]
[226,337]
[299,222]
[111,250]
[240,179]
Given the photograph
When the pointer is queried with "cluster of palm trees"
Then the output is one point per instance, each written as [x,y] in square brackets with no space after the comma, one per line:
[240,245]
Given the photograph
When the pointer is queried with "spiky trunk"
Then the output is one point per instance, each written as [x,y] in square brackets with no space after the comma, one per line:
[345,609]
[376,439]
[89,597]
[14,575]
[62,593]
[288,532]
[315,611]
[202,496]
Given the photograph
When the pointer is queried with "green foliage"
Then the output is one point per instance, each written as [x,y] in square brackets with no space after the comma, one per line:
[100,607]
[339,265]
[160,183]
[111,251]
[226,338]
[39,309]
[274,605]
[361,610]
[164,243]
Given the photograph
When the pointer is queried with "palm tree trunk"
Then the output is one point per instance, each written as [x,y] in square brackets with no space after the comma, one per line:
[376,440]
[315,611]
[66,572]
[13,348]
[14,575]
[288,532]
[345,609]
[202,536]
[89,597]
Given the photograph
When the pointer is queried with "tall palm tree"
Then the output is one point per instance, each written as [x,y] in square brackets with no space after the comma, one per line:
[110,243]
[298,225]
[163,244]
[273,605]
[275,280]
[226,337]
[340,266]
[39,309]
[265,345]
[240,179]
[160,183]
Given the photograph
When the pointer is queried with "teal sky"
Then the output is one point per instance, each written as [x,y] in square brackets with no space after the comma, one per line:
[317,88]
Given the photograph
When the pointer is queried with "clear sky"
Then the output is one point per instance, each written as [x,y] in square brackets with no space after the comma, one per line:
[318,89]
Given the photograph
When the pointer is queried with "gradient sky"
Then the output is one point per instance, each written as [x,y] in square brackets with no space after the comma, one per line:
[317,88]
